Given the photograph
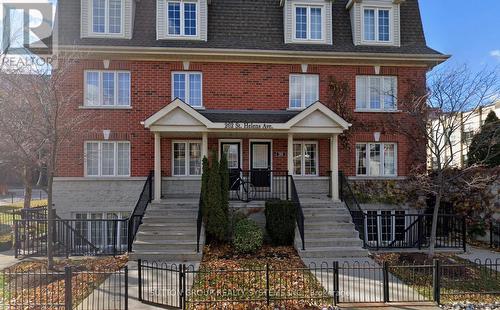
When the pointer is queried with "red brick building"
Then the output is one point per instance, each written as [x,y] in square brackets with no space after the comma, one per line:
[169,81]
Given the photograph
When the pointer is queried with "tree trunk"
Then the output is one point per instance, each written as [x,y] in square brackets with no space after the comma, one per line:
[28,186]
[435,214]
[50,209]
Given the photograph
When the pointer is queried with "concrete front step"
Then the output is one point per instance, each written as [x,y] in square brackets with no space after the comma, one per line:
[164,245]
[322,252]
[168,256]
[331,242]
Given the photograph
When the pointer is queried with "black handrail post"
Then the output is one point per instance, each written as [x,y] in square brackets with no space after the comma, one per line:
[126,286]
[386,281]
[68,298]
[268,297]
[330,180]
[436,281]
[16,239]
[139,276]
[491,234]
[464,234]
[287,187]
[336,282]
[67,247]
[419,232]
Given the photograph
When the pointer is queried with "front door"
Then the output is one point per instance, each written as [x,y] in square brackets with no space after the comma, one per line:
[260,163]
[232,151]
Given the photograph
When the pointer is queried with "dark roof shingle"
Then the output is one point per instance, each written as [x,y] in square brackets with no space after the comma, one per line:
[248,116]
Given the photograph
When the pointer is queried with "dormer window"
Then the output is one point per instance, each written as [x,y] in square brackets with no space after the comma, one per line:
[182,18]
[376,25]
[107,16]
[308,22]
[107,19]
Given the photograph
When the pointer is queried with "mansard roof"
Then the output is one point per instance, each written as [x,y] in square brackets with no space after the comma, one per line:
[250,25]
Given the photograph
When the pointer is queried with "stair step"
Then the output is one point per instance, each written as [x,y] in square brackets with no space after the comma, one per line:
[322,252]
[331,242]
[161,245]
[168,256]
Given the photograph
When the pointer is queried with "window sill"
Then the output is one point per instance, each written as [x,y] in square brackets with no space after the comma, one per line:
[306,41]
[295,109]
[101,107]
[182,178]
[377,43]
[181,38]
[358,177]
[309,177]
[105,36]
[376,111]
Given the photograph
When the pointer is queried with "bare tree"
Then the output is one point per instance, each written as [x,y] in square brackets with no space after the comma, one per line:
[38,115]
[438,116]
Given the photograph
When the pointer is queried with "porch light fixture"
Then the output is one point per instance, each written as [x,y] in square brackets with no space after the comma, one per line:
[376,136]
[106,133]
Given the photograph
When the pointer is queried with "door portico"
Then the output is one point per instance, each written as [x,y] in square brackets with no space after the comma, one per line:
[313,123]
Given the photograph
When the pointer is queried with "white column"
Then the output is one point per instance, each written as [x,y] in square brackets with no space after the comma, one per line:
[204,145]
[290,154]
[334,166]
[157,182]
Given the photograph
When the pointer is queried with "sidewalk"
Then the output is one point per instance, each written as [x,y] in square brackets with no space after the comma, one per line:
[474,254]
[7,259]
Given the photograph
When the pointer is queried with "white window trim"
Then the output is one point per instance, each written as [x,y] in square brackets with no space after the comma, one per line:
[188,158]
[302,165]
[106,32]
[186,90]
[382,157]
[182,21]
[303,91]
[382,100]
[308,22]
[99,159]
[104,233]
[100,100]
[379,226]
[391,25]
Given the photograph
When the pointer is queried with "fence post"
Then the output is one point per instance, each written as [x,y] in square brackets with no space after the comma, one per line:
[181,289]
[68,298]
[419,232]
[68,238]
[436,281]
[16,239]
[139,280]
[336,282]
[126,287]
[491,234]
[464,234]
[268,298]
[386,281]
[115,236]
[287,187]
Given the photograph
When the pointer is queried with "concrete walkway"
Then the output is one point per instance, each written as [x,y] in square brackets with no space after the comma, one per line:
[7,259]
[475,254]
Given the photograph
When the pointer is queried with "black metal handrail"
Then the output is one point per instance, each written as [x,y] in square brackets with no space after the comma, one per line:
[267,184]
[135,219]
[199,222]
[72,236]
[347,196]
[298,209]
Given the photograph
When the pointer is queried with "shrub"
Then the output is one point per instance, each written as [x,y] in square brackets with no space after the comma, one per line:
[216,218]
[248,237]
[280,221]
[204,186]
[224,182]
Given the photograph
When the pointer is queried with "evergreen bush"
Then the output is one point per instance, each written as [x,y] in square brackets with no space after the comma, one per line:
[248,237]
[204,186]
[280,221]
[217,220]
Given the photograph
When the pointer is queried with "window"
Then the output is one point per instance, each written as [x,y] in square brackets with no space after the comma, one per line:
[376,93]
[305,158]
[107,88]
[187,86]
[385,227]
[107,16]
[107,158]
[308,23]
[376,25]
[186,158]
[107,235]
[182,18]
[376,159]
[304,90]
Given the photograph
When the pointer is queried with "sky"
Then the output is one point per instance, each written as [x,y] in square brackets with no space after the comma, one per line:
[469,30]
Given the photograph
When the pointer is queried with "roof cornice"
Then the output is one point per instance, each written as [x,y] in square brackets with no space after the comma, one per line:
[245,55]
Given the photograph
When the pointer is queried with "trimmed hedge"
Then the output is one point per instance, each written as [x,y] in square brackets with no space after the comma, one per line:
[248,237]
[280,221]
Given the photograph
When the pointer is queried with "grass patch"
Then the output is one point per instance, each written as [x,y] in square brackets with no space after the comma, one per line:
[20,204]
[461,280]
[235,280]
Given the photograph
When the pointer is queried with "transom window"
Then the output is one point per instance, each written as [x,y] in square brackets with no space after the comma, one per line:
[186,158]
[384,227]
[305,158]
[107,16]
[308,22]
[107,158]
[187,86]
[182,17]
[376,159]
[107,88]
[376,25]
[304,90]
[376,93]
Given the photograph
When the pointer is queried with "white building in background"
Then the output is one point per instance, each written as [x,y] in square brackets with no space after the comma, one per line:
[461,139]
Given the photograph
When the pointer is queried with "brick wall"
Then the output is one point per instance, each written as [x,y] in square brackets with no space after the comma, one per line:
[228,86]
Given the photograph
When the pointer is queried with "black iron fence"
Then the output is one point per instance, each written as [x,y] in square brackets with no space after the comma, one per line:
[88,237]
[494,234]
[66,289]
[258,185]
[185,287]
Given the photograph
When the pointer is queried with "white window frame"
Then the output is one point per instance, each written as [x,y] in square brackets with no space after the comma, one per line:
[303,90]
[188,158]
[106,20]
[391,24]
[379,226]
[182,19]
[99,159]
[121,216]
[382,159]
[381,93]
[302,159]
[308,7]
[187,85]
[100,100]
